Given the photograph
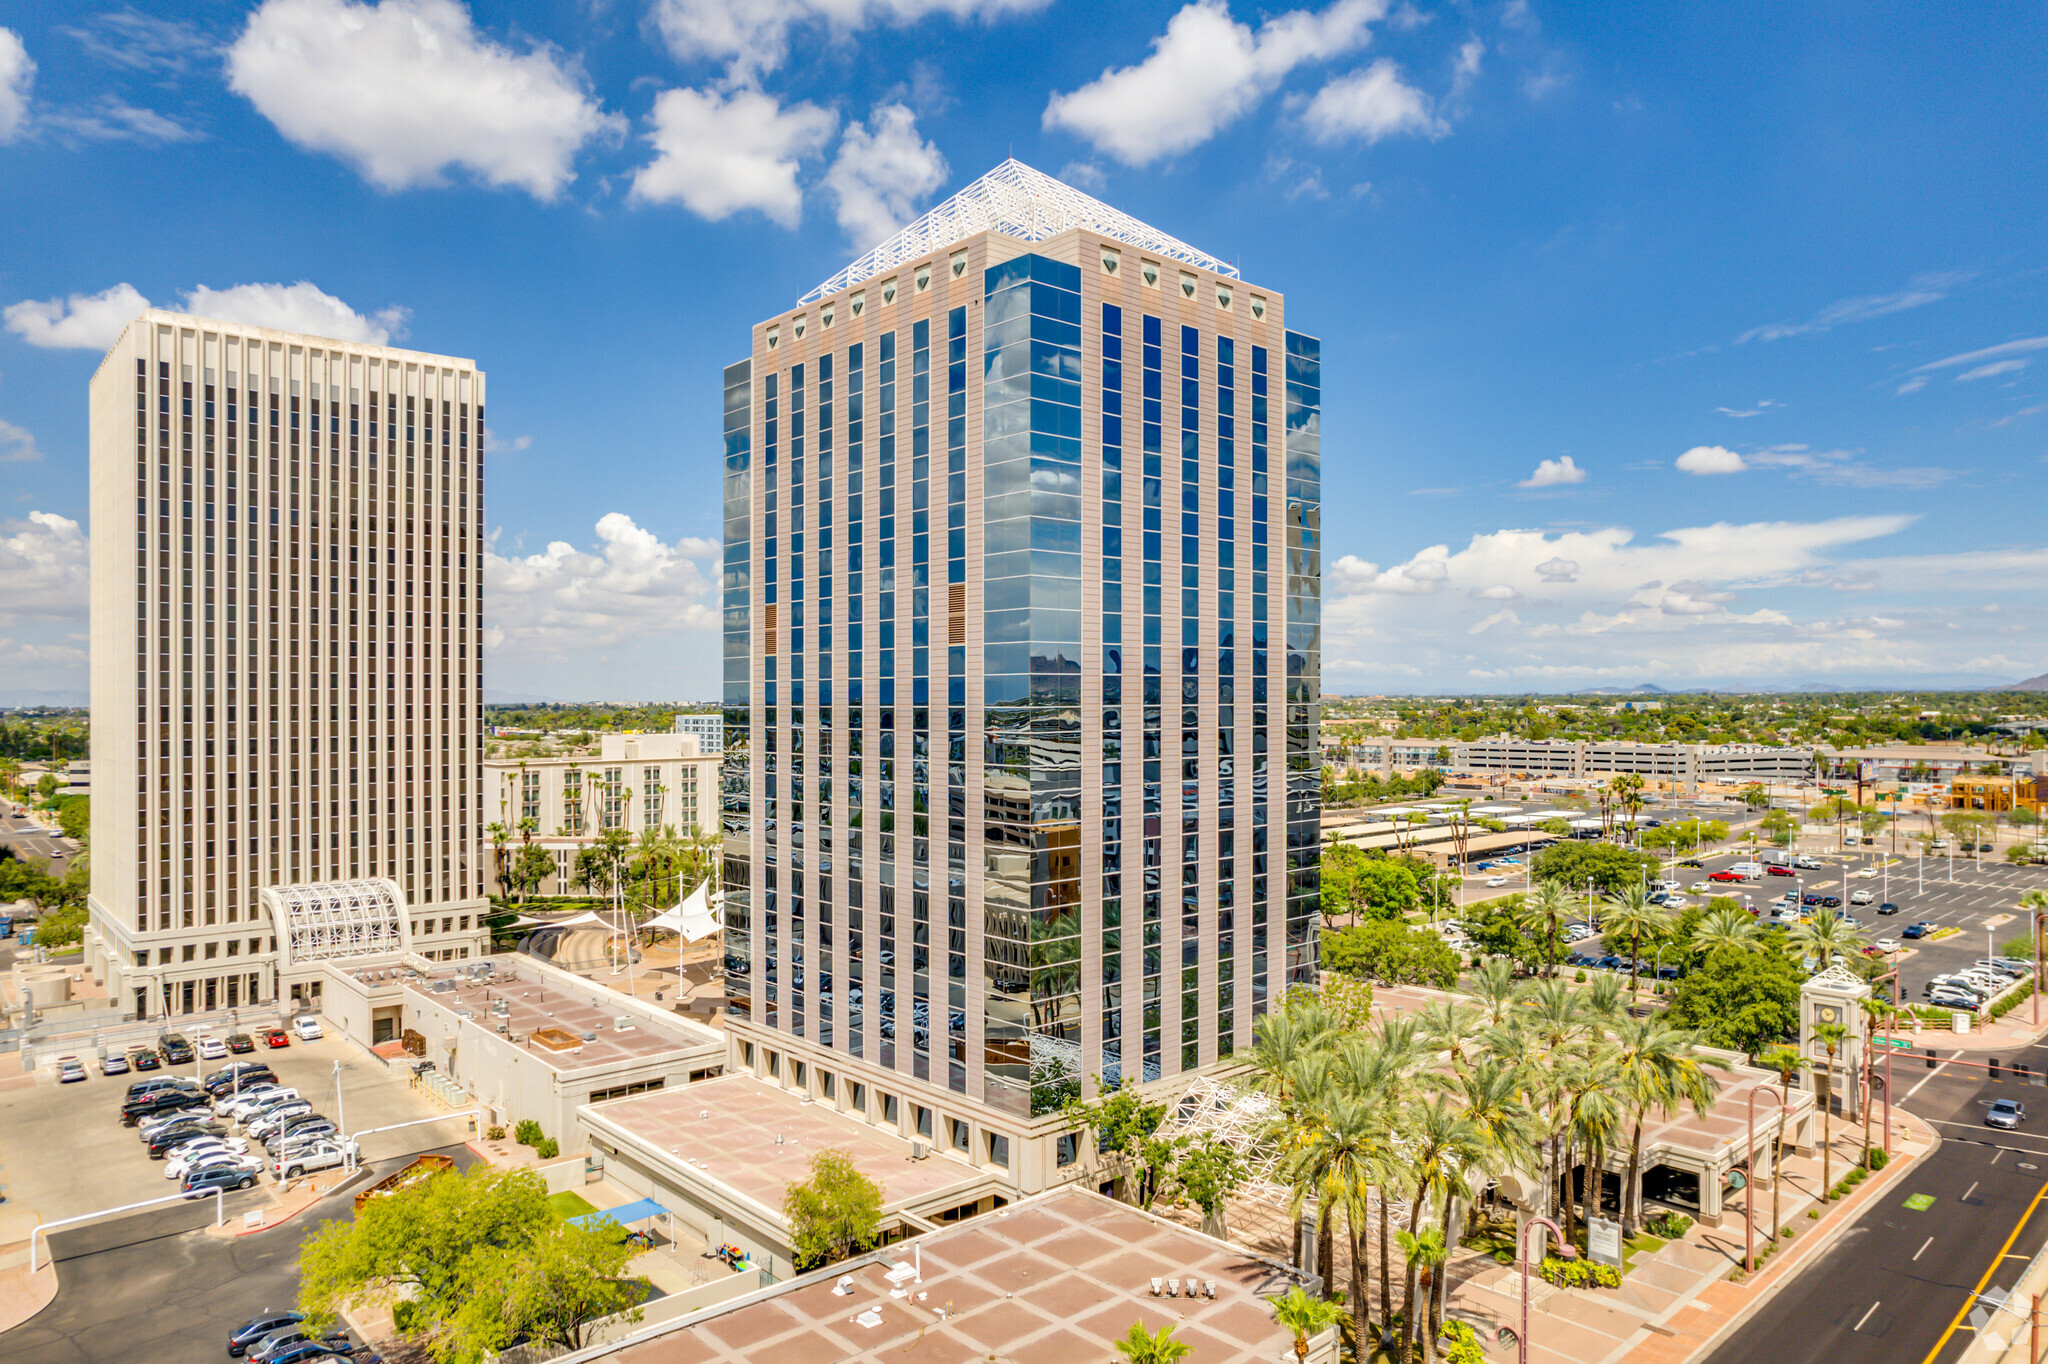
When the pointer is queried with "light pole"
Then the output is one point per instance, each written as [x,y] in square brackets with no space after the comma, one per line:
[1749,1161]
[340,1118]
[1522,1249]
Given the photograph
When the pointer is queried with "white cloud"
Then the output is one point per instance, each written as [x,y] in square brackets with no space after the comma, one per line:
[134,41]
[632,585]
[297,307]
[17,75]
[1498,592]
[1370,104]
[1553,472]
[1763,405]
[405,89]
[1206,71]
[111,119]
[94,321]
[880,174]
[1557,570]
[1711,459]
[1912,385]
[17,444]
[83,321]
[753,35]
[1925,289]
[1084,175]
[719,155]
[43,569]
[1501,617]
[1995,367]
[1973,357]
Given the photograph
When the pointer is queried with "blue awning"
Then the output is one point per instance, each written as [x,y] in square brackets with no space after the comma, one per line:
[623,1214]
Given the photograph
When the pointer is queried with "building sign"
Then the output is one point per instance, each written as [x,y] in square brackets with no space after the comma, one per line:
[1603,1241]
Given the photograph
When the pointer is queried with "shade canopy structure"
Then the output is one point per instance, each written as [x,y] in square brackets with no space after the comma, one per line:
[637,1211]
[695,918]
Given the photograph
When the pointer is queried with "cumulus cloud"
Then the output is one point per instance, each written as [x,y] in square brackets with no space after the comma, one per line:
[94,321]
[1925,289]
[43,569]
[753,35]
[82,321]
[17,444]
[1204,73]
[17,76]
[1711,459]
[881,172]
[1552,473]
[1371,104]
[1558,570]
[403,90]
[718,155]
[631,585]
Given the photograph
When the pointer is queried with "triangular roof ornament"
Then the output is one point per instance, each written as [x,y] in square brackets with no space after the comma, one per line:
[1017,201]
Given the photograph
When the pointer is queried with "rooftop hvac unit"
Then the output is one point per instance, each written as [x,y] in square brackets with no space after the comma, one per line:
[918,1150]
[624,1023]
[590,1037]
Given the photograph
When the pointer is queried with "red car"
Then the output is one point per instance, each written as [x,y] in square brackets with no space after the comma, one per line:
[1727,876]
[277,1037]
[1781,871]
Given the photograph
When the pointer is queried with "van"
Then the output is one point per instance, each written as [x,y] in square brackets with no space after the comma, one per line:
[1748,869]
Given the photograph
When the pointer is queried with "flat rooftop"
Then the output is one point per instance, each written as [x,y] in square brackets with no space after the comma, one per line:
[727,1129]
[551,1010]
[1054,1280]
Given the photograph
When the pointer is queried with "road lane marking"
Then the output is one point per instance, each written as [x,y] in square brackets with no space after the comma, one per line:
[1865,1317]
[1989,1270]
[1930,1075]
[2001,1151]
[1923,1247]
[1966,1193]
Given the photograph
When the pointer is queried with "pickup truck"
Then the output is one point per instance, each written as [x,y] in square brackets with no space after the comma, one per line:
[325,1156]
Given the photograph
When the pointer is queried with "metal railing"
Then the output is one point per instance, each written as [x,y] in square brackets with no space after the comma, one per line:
[43,1230]
[440,1088]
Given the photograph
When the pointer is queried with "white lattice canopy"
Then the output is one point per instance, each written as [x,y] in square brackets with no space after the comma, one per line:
[339,921]
[1020,202]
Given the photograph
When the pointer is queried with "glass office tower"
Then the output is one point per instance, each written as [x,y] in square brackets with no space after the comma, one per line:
[1022,611]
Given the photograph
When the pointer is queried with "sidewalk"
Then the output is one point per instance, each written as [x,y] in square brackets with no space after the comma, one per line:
[1677,1301]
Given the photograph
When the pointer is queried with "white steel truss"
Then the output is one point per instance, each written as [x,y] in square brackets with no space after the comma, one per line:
[340,921]
[1017,201]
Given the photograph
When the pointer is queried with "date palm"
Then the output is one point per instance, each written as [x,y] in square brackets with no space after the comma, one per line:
[1548,908]
[1825,938]
[1142,1347]
[1633,916]
[1496,990]
[1442,1143]
[1829,1035]
[1877,1012]
[1787,1063]
[1302,1316]
[1657,1068]
[1728,926]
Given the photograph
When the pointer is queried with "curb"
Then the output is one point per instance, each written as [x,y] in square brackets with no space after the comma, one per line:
[338,1189]
[1827,1240]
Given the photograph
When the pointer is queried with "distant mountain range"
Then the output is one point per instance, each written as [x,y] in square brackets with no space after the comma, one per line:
[22,700]
[512,698]
[2031,684]
[1642,689]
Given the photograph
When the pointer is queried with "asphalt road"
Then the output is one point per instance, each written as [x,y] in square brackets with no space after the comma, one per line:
[155,1286]
[29,840]
[1890,1288]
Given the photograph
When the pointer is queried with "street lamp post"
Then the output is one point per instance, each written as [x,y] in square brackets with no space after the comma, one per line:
[1749,1160]
[1522,1249]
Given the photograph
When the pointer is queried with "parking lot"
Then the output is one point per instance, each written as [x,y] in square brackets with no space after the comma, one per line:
[64,1151]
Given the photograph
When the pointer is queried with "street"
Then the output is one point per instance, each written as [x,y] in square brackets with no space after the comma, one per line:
[28,839]
[1900,1276]
[155,1285]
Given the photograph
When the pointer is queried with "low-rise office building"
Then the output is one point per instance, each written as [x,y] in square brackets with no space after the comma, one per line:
[1689,765]
[635,782]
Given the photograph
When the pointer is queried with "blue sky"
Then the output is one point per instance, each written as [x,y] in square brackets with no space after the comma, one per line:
[1694,345]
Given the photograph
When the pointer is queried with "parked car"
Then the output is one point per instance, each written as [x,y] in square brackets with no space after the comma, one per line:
[1775,870]
[243,1076]
[138,1088]
[211,1048]
[188,1118]
[1830,902]
[1700,887]
[200,1182]
[171,1138]
[1691,862]
[1581,959]
[1919,930]
[69,1070]
[2010,967]
[1805,863]
[202,1156]
[307,1027]
[1888,945]
[301,1128]
[142,1058]
[327,1347]
[175,1050]
[1887,908]
[276,1037]
[2006,1114]
[1946,998]
[261,1350]
[255,1099]
[1863,897]
[113,1063]
[320,1156]
[1726,875]
[261,1127]
[240,1043]
[259,1326]
[158,1103]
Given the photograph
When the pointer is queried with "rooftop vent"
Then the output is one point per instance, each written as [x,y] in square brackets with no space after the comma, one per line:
[624,1023]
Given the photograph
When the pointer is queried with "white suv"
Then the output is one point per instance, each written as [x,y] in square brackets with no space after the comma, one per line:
[1863,897]
[307,1027]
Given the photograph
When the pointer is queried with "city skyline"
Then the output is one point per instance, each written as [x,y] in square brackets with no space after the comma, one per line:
[1675,349]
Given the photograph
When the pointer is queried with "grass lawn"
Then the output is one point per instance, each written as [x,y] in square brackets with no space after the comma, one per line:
[566,1205]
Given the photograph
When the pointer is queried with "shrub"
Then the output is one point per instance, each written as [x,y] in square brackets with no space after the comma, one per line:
[547,1148]
[494,1134]
[1876,1158]
[1579,1274]
[1581,977]
[1461,1344]
[527,1133]
[1814,1213]
[1669,1225]
[1504,1257]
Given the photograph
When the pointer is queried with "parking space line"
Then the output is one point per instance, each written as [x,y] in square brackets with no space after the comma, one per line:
[1923,1247]
[1865,1317]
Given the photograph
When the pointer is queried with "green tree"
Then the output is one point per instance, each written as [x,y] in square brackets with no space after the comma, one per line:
[1207,1173]
[1142,1347]
[534,865]
[74,817]
[1607,867]
[1632,916]
[1824,938]
[1302,1316]
[1126,1127]
[1742,1000]
[835,1213]
[1787,1062]
[479,1260]
[1392,953]
[1387,889]
[46,787]
[1754,796]
[1829,1035]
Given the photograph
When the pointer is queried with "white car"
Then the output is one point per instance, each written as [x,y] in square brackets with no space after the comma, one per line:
[1863,897]
[254,1101]
[307,1027]
[196,1153]
[1496,880]
[324,1156]
[1887,945]
[1700,887]
[211,1048]
[1865,873]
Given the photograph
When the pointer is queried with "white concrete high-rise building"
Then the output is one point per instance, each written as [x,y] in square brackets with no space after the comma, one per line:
[285,660]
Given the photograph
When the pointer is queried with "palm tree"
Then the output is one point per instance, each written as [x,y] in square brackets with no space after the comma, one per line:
[1550,907]
[1656,1067]
[1425,1251]
[1303,1315]
[1829,1035]
[1340,1155]
[2034,902]
[1634,916]
[1877,1011]
[1825,938]
[1442,1143]
[1495,988]
[1787,1063]
[1142,1347]
[1728,926]
[498,834]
